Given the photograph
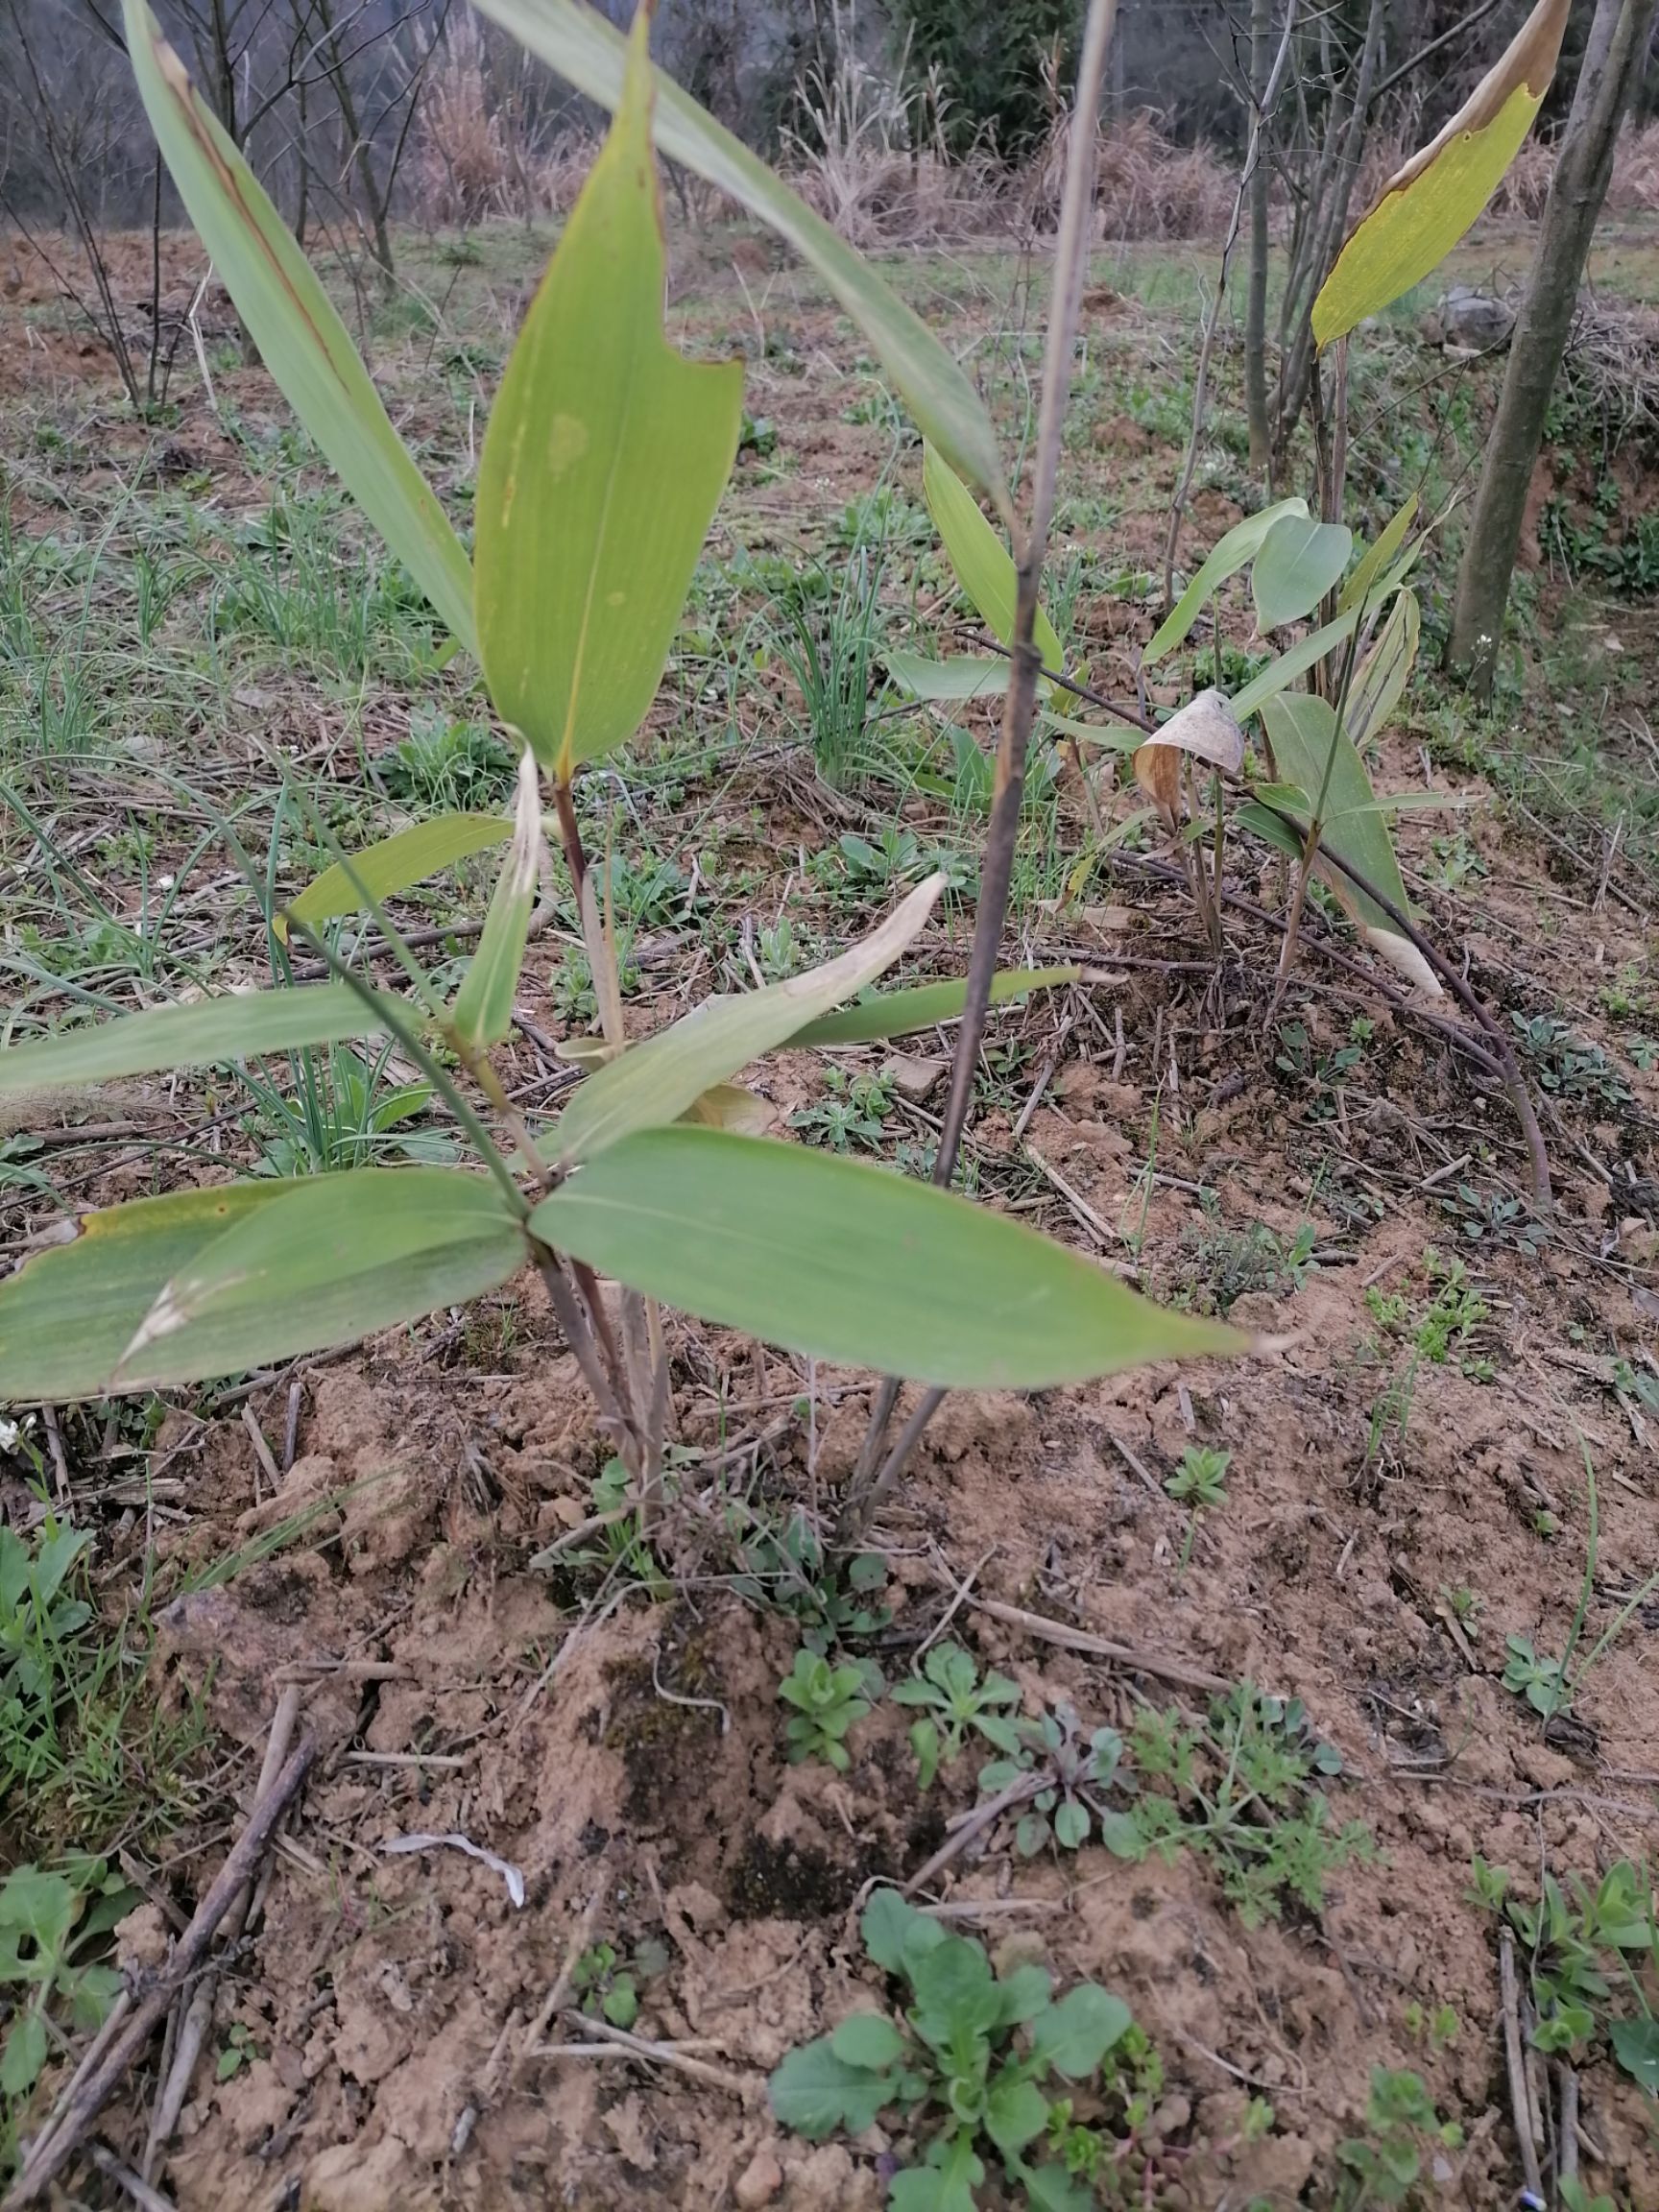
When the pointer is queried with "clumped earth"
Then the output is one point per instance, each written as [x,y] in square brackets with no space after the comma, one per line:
[1447,1446]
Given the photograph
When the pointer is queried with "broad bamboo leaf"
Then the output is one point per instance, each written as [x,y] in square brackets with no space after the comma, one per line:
[1357,585]
[589,53]
[299,335]
[395,863]
[965,677]
[1236,551]
[657,1081]
[854,1264]
[1381,676]
[605,455]
[1426,208]
[1205,729]
[201,1035]
[983,564]
[1271,831]
[1296,660]
[921,1006]
[1299,562]
[1311,751]
[331,1258]
[1117,736]
[483,1012]
[68,1314]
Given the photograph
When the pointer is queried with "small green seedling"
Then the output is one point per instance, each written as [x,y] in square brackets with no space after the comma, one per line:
[949,1686]
[828,1701]
[1386,2162]
[47,1920]
[1200,1480]
[788,1569]
[1577,1948]
[605,1987]
[1542,1682]
[237,2050]
[1070,1773]
[964,2068]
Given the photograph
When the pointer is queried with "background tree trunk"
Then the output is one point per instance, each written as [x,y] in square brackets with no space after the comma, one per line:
[1614,60]
[1256,293]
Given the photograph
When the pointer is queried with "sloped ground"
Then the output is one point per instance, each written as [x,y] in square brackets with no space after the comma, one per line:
[1408,1486]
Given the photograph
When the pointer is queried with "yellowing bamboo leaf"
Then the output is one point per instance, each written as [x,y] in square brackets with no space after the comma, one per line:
[408,856]
[983,564]
[332,1257]
[1231,553]
[301,337]
[1205,729]
[606,454]
[202,1035]
[730,1106]
[483,1011]
[1426,208]
[68,1314]
[587,52]
[854,1264]
[1311,751]
[656,1082]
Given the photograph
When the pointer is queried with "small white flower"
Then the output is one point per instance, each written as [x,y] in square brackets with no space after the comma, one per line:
[10,1434]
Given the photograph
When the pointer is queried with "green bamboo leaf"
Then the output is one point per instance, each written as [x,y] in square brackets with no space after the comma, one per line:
[852,1262]
[1269,828]
[201,1035]
[983,564]
[1356,588]
[1117,736]
[483,1011]
[657,1081]
[1283,672]
[392,865]
[606,454]
[302,341]
[1231,553]
[1427,206]
[1381,676]
[1299,562]
[331,1258]
[1310,749]
[589,53]
[68,1314]
[921,1006]
[964,677]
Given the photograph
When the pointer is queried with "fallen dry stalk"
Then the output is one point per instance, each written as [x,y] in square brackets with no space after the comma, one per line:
[50,2152]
